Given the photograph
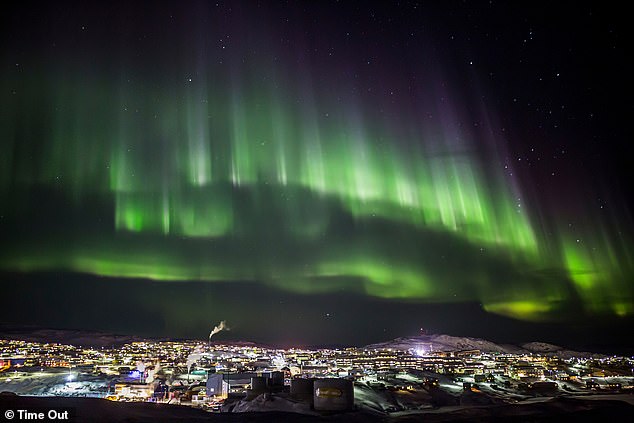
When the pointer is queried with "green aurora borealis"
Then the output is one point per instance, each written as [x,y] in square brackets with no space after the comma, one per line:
[272,171]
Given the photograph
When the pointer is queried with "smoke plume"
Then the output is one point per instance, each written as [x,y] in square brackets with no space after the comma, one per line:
[220,327]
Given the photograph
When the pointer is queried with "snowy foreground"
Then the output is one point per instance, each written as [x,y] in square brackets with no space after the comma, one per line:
[55,382]
[387,399]
[551,410]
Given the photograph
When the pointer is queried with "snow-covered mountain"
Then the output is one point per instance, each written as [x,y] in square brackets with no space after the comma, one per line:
[429,343]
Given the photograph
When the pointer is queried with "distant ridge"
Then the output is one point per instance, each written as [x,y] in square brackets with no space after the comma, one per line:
[89,338]
[76,337]
[424,343]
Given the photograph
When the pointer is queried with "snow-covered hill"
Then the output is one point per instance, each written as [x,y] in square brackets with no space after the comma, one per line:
[65,336]
[430,343]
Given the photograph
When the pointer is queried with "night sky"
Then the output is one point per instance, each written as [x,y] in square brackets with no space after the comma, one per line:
[318,172]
